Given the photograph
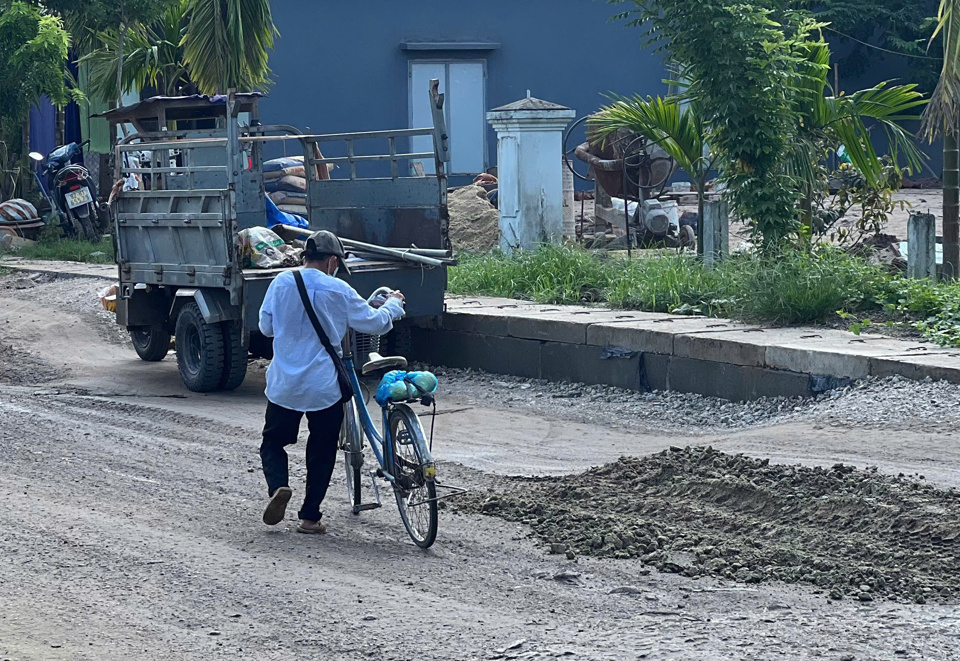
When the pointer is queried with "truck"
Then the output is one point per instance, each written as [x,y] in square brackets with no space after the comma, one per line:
[195,179]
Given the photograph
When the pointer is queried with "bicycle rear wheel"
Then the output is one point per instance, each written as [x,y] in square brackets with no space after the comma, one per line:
[416,493]
[352,446]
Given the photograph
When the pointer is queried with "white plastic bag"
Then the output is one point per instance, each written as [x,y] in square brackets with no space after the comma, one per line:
[264,249]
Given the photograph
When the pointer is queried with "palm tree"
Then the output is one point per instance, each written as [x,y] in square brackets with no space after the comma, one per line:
[153,57]
[206,45]
[227,44]
[678,129]
[941,120]
[827,123]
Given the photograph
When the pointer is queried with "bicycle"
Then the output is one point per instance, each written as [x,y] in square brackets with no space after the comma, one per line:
[402,451]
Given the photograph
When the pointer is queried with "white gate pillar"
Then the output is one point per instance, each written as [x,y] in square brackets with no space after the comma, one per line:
[530,171]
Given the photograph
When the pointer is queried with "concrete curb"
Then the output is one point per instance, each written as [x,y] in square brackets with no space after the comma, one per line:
[639,350]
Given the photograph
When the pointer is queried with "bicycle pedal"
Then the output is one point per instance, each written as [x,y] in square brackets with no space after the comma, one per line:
[366,507]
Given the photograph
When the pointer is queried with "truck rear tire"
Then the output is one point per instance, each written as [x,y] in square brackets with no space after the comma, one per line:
[150,342]
[200,357]
[234,356]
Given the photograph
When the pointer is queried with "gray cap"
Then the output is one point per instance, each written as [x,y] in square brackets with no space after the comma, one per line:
[327,243]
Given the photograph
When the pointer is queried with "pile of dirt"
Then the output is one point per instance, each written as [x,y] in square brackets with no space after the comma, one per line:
[20,368]
[474,222]
[700,512]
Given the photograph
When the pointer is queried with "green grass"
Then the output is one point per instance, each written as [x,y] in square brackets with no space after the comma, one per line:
[790,287]
[70,250]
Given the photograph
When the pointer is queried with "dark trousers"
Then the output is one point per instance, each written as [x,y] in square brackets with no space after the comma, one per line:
[280,430]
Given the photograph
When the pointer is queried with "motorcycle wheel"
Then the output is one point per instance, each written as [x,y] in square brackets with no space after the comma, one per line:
[89,233]
[68,225]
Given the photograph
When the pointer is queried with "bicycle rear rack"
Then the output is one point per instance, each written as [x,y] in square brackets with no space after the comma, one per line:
[457,491]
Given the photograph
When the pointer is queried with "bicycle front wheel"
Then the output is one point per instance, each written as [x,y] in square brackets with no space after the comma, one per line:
[416,493]
[352,446]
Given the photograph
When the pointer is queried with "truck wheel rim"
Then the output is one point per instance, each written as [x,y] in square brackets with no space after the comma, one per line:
[192,350]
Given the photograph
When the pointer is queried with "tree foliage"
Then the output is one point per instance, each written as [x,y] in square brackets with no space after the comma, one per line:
[943,113]
[205,46]
[829,121]
[743,62]
[33,52]
[87,19]
[759,74]
[864,26]
[227,43]
[153,57]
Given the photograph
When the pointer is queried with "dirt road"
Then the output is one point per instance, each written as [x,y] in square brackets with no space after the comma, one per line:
[130,521]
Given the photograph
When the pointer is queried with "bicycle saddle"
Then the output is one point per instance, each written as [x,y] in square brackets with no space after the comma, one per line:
[377,362]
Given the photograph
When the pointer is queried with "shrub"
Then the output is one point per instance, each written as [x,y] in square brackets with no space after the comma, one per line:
[788,287]
[666,283]
[796,287]
[551,275]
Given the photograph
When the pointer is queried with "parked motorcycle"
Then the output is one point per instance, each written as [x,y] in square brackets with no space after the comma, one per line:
[70,189]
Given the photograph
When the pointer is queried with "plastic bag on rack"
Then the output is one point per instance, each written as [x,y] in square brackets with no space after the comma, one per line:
[399,386]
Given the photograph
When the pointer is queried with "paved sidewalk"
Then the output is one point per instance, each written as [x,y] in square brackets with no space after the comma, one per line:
[640,350]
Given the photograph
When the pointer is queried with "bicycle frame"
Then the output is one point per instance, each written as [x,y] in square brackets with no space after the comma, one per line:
[381,445]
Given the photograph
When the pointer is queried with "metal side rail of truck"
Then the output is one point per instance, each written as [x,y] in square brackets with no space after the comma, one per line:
[198,167]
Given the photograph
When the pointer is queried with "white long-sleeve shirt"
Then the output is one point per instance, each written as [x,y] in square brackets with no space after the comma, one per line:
[302,376]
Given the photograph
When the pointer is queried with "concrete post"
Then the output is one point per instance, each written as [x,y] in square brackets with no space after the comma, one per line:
[716,232]
[529,169]
[922,246]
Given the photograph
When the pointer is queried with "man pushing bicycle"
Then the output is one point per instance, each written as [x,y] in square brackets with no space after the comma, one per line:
[307,313]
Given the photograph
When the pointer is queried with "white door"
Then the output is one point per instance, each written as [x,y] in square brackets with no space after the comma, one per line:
[465,110]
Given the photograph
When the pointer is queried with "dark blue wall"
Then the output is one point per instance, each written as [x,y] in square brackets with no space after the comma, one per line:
[894,70]
[338,65]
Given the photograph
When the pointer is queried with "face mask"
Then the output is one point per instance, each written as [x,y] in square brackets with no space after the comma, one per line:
[335,271]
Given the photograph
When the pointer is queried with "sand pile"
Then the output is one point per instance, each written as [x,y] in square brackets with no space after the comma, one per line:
[696,511]
[474,222]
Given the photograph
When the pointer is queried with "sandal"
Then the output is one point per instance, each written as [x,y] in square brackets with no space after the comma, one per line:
[311,527]
[277,507]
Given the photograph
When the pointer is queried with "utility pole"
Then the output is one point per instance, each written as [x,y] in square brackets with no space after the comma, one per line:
[951,204]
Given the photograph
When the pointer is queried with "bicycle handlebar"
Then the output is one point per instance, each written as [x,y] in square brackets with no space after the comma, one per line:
[378,292]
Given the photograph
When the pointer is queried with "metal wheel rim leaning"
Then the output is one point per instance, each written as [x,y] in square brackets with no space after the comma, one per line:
[350,444]
[414,504]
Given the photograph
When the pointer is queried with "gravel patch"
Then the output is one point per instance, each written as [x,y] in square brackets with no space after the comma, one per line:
[872,403]
[699,512]
[80,296]
[22,368]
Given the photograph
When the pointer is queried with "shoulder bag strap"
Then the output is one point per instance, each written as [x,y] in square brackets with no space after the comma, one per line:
[343,380]
[324,340]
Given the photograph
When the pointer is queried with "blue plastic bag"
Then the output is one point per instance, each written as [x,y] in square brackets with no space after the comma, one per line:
[398,386]
[276,217]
